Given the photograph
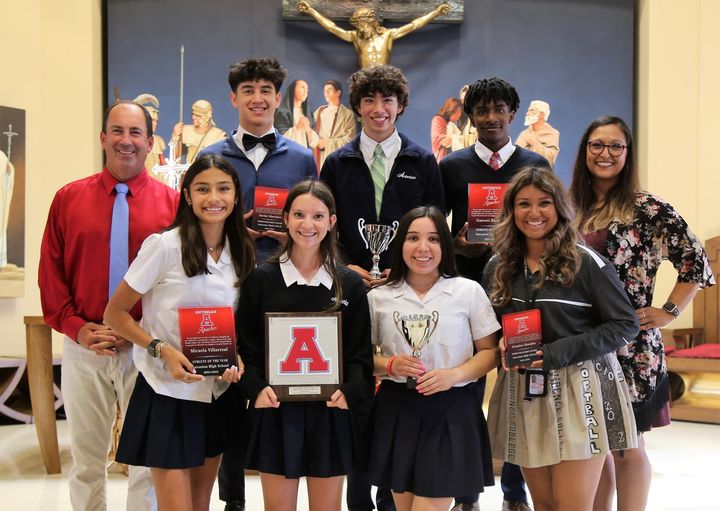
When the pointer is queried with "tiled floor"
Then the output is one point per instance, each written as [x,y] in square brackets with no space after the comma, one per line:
[685,456]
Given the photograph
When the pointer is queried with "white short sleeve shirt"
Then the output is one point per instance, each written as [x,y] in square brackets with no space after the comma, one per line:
[158,275]
[465,314]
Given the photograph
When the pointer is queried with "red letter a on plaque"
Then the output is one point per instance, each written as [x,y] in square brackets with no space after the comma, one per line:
[304,347]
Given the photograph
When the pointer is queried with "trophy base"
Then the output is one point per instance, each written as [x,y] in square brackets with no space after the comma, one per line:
[411,383]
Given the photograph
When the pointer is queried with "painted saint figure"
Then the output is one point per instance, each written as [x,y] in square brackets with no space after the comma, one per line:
[193,138]
[372,41]
[334,123]
[539,136]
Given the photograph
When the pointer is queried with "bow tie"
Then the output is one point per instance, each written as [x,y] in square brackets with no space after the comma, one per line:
[250,141]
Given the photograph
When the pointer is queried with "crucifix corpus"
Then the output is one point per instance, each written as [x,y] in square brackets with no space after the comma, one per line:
[372,41]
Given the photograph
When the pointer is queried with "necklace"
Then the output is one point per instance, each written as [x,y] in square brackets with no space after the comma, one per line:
[217,247]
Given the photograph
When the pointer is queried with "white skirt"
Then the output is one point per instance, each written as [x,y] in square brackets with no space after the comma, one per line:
[587,412]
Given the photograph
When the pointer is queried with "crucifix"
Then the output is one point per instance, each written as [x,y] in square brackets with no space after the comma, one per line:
[173,170]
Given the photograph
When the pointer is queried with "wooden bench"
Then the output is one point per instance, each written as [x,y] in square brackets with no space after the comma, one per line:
[695,382]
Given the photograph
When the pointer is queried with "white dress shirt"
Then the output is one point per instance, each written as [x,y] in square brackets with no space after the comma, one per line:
[157,273]
[390,147]
[255,154]
[505,152]
[465,315]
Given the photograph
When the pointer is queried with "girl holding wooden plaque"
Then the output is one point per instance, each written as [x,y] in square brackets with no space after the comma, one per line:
[305,436]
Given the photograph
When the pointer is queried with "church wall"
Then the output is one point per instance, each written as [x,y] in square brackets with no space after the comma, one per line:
[53,69]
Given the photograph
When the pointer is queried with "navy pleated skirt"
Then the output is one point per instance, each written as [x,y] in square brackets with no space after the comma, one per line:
[431,446]
[301,439]
[164,432]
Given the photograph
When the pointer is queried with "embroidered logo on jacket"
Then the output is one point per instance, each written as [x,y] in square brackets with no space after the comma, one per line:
[405,176]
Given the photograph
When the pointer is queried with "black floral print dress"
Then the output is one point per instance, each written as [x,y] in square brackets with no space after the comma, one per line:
[636,250]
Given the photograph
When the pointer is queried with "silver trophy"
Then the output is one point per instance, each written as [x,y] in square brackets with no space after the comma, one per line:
[416,329]
[377,238]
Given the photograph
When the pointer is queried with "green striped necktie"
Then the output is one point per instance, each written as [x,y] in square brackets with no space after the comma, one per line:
[377,171]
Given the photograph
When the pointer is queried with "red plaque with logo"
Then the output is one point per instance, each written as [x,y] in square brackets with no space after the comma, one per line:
[207,337]
[523,336]
[269,204]
[304,354]
[484,205]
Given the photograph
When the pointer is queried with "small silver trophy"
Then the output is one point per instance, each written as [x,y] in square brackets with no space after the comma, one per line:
[416,329]
[377,238]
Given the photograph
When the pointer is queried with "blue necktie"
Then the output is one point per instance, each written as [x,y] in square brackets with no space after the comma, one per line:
[119,236]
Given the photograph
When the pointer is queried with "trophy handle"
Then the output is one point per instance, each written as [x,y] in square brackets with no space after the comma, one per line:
[435,317]
[394,229]
[361,228]
[396,319]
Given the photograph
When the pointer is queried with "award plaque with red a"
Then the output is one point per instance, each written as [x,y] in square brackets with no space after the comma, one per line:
[523,336]
[484,204]
[269,204]
[207,337]
[304,354]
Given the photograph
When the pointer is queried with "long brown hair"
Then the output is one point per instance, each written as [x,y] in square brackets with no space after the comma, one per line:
[398,267]
[329,253]
[561,259]
[193,247]
[620,200]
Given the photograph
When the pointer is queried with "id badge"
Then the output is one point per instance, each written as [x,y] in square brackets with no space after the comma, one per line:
[535,383]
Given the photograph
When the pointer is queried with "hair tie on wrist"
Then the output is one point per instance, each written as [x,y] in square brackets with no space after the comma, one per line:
[388,367]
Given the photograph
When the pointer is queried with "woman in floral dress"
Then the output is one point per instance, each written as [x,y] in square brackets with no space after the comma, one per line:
[635,230]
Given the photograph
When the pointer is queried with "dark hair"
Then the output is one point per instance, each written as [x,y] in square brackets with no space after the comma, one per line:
[561,260]
[448,108]
[387,80]
[335,85]
[250,70]
[328,246]
[620,200]
[148,118]
[493,89]
[398,267]
[194,249]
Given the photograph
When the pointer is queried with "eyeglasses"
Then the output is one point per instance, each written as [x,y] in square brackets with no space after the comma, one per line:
[597,147]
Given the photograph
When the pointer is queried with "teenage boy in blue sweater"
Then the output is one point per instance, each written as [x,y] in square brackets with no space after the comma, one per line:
[257,151]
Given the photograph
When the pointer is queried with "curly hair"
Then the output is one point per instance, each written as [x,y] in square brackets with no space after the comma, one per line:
[620,199]
[250,70]
[493,89]
[561,259]
[387,80]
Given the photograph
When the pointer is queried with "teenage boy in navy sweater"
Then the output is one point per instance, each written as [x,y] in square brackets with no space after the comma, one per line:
[491,105]
[408,174]
[378,176]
